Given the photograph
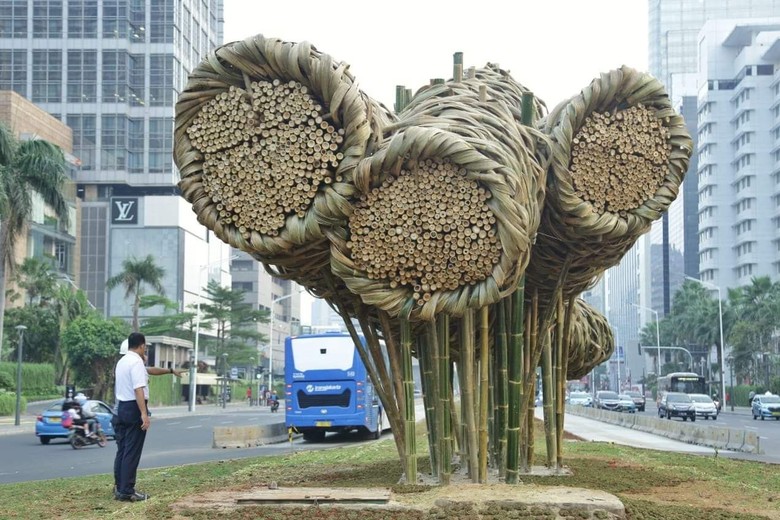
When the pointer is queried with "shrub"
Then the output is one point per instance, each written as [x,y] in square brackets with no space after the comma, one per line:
[6,381]
[8,403]
[37,378]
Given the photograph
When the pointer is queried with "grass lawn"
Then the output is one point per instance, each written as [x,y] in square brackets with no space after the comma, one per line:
[651,484]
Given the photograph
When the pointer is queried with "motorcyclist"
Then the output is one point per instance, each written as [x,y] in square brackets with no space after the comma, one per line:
[274,402]
[88,417]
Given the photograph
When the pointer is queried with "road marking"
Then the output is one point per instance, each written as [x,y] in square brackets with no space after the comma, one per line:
[196,426]
[172,423]
[227,422]
[746,427]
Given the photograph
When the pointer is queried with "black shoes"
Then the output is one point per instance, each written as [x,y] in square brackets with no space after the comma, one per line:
[135,497]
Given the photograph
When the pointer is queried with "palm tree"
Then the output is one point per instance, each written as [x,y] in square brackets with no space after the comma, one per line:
[134,274]
[68,304]
[38,280]
[25,167]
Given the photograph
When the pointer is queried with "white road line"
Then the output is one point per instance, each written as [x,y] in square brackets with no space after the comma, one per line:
[196,426]
[172,423]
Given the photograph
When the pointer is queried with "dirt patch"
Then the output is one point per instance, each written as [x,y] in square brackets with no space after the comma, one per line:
[458,501]
[705,495]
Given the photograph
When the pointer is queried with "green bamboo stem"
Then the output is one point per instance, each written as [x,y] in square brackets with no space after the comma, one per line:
[549,399]
[467,393]
[445,403]
[434,347]
[559,379]
[528,320]
[409,433]
[502,407]
[429,398]
[565,343]
[393,355]
[530,366]
[515,383]
[484,360]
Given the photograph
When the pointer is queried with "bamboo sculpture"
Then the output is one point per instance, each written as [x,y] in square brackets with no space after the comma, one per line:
[459,230]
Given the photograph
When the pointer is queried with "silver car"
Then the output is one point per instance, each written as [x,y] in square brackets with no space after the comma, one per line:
[704,406]
[580,399]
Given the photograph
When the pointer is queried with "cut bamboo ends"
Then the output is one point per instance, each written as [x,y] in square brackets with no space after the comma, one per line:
[268,134]
[618,156]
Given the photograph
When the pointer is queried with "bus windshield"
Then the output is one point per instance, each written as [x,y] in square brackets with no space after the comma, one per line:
[682,382]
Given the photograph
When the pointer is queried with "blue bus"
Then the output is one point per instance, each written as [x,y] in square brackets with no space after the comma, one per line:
[327,388]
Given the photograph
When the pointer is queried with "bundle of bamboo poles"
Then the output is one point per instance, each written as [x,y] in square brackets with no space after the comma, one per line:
[268,134]
[619,152]
[591,342]
[449,202]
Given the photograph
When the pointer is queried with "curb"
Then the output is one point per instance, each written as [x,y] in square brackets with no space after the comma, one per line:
[715,437]
[248,436]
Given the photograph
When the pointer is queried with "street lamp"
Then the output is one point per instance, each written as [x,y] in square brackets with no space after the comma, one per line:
[657,337]
[720,320]
[731,380]
[64,277]
[224,379]
[17,418]
[194,373]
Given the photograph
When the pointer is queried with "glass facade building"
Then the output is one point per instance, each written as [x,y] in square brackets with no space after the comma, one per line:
[112,71]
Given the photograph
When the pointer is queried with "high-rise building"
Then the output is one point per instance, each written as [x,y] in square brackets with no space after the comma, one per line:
[739,167]
[112,71]
[267,293]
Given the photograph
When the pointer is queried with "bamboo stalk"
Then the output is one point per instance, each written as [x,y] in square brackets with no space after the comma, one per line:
[445,402]
[438,442]
[566,343]
[484,359]
[531,364]
[515,384]
[548,396]
[429,399]
[467,393]
[409,432]
[502,407]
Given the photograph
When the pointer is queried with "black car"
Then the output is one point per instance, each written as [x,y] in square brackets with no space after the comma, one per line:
[639,400]
[607,400]
[675,404]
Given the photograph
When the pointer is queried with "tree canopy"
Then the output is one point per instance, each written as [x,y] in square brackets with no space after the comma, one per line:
[134,276]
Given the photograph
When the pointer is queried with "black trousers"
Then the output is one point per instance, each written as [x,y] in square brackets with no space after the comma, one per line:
[129,445]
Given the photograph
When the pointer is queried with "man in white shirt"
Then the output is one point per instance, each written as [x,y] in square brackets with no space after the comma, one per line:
[132,421]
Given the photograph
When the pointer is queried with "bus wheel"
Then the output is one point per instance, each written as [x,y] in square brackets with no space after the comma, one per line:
[314,436]
[378,432]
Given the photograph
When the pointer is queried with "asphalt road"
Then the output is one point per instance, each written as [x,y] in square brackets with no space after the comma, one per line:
[171,442]
[741,419]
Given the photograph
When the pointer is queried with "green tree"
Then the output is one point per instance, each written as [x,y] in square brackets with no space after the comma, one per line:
[41,336]
[756,310]
[235,323]
[68,304]
[171,322]
[135,274]
[92,345]
[26,167]
[38,281]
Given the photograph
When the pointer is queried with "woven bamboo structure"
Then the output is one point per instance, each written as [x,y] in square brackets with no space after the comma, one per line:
[618,156]
[267,137]
[591,342]
[450,202]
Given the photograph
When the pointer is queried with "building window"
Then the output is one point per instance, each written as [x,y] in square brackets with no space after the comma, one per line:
[160,144]
[82,76]
[137,80]
[113,142]
[137,20]
[247,287]
[114,19]
[82,19]
[161,80]
[47,76]
[13,71]
[161,20]
[115,68]
[135,141]
[84,139]
[13,19]
[47,19]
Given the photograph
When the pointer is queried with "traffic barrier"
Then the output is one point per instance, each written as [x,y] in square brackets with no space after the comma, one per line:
[248,436]
[716,437]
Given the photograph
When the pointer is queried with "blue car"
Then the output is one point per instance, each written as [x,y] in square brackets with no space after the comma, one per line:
[766,406]
[48,425]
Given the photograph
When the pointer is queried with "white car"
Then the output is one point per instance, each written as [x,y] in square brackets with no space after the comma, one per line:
[580,399]
[704,406]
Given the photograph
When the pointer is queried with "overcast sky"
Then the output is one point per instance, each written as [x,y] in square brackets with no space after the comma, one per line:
[553,47]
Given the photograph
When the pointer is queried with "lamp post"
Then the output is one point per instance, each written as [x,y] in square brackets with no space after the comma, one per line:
[224,379]
[720,321]
[17,418]
[657,337]
[617,348]
[731,380]
[194,374]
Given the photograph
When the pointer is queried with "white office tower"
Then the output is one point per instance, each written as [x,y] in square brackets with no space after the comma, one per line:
[112,71]
[739,167]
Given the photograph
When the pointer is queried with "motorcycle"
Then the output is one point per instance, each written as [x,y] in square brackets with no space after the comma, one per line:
[717,403]
[274,404]
[78,439]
